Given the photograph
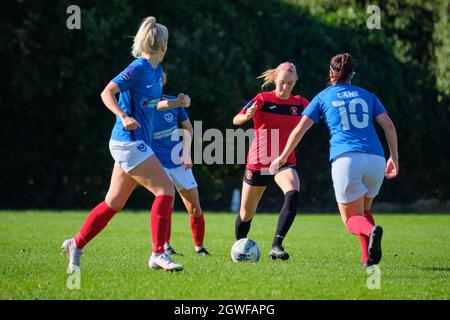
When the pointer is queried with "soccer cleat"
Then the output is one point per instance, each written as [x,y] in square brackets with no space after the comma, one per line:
[170,251]
[163,261]
[375,244]
[73,253]
[278,252]
[367,264]
[202,252]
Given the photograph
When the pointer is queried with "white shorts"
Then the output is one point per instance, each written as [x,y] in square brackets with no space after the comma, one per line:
[128,155]
[357,174]
[181,178]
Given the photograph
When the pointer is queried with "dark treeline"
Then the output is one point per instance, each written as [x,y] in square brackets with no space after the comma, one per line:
[55,129]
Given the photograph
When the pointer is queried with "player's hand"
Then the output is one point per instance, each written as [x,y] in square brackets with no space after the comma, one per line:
[276,165]
[186,162]
[250,112]
[391,169]
[129,123]
[183,100]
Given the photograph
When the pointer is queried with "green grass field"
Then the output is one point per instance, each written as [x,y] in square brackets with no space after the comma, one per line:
[324,260]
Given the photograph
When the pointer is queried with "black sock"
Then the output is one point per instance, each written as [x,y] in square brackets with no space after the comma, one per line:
[287,216]
[242,228]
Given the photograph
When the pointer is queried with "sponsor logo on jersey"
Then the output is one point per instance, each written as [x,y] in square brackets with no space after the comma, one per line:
[147,103]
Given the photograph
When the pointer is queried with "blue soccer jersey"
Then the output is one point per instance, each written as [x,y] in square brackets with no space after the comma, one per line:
[166,136]
[140,91]
[348,112]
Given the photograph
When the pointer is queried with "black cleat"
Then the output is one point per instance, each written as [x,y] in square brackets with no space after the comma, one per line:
[367,264]
[278,252]
[202,252]
[171,251]
[375,245]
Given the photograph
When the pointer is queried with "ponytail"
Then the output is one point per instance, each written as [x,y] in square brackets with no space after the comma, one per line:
[150,37]
[270,75]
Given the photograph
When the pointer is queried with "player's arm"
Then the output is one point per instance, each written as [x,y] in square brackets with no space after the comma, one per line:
[242,118]
[386,123]
[182,100]
[108,96]
[187,142]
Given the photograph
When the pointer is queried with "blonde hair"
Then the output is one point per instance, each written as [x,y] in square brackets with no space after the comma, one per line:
[150,37]
[270,75]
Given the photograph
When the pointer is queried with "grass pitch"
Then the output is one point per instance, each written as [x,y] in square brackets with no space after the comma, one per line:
[324,261]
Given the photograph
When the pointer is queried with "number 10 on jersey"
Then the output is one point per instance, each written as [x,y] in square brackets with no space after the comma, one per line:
[352,115]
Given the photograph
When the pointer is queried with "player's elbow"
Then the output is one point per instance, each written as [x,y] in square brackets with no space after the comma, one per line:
[237,121]
[105,93]
[388,125]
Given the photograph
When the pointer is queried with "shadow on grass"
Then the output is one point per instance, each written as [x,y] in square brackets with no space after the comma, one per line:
[439,269]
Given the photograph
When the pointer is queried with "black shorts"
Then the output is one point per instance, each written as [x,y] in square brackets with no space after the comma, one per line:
[255,178]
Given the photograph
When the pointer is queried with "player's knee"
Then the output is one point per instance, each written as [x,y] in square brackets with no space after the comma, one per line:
[195,211]
[115,204]
[164,191]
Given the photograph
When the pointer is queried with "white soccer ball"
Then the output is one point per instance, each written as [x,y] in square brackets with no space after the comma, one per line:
[245,250]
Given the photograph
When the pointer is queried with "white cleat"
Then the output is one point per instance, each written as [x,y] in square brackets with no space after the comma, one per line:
[73,253]
[163,261]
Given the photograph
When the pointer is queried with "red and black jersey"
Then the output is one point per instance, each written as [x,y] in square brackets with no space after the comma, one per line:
[274,121]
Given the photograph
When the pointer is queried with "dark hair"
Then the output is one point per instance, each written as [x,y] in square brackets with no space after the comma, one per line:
[343,66]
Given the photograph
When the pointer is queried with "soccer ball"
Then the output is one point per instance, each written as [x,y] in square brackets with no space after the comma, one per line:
[245,250]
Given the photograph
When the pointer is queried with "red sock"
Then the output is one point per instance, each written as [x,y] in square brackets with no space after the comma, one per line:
[364,240]
[364,248]
[159,217]
[169,225]
[198,229]
[359,225]
[97,219]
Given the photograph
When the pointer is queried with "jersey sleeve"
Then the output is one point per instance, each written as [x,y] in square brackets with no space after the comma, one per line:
[128,78]
[257,99]
[378,107]
[182,115]
[314,109]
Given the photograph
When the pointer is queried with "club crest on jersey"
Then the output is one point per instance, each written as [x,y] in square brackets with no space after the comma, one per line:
[294,111]
[168,117]
[248,175]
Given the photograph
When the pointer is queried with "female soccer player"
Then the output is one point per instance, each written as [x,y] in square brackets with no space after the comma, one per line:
[177,164]
[357,157]
[140,87]
[275,114]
